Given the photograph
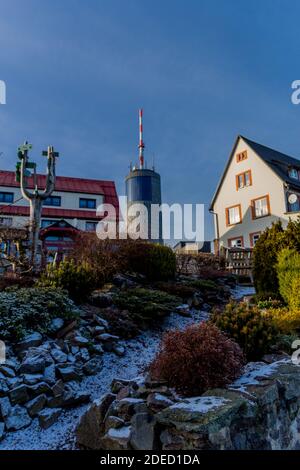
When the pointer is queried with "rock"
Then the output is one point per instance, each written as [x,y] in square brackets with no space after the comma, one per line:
[48,417]
[55,402]
[2,432]
[75,349]
[56,325]
[113,422]
[117,439]
[3,387]
[68,373]
[59,356]
[14,382]
[100,321]
[91,426]
[5,407]
[18,418]
[32,365]
[34,339]
[36,405]
[107,340]
[93,366]
[50,374]
[40,388]
[80,341]
[7,371]
[74,396]
[119,350]
[128,406]
[142,435]
[19,394]
[83,355]
[58,388]
[100,299]
[98,330]
[97,349]
[183,310]
[67,329]
[32,379]
[157,402]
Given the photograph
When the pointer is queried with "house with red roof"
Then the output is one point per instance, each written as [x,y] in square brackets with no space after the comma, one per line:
[71,207]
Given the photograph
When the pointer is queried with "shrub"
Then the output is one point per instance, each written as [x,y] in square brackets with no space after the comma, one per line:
[156,262]
[285,320]
[252,330]
[196,359]
[269,244]
[204,284]
[31,309]
[184,291]
[77,278]
[145,305]
[288,271]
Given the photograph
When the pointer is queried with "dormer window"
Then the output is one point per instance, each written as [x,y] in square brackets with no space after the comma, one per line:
[293,173]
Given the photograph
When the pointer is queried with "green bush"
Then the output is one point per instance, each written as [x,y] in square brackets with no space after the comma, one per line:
[288,271]
[204,284]
[32,309]
[156,262]
[145,305]
[78,279]
[265,253]
[253,331]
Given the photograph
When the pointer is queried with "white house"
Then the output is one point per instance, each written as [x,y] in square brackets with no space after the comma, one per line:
[258,186]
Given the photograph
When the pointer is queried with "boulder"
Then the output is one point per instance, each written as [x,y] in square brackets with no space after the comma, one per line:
[36,405]
[19,395]
[157,402]
[18,418]
[93,366]
[50,374]
[40,388]
[101,322]
[90,429]
[143,434]
[32,365]
[127,407]
[117,439]
[7,371]
[3,387]
[58,388]
[34,339]
[113,422]
[32,379]
[80,341]
[59,356]
[5,407]
[74,396]
[48,417]
[100,299]
[118,350]
[56,325]
[68,373]
[2,432]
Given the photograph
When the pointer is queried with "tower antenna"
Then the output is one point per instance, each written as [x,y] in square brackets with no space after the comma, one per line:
[141,143]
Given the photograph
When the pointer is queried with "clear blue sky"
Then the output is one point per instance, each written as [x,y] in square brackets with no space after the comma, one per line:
[204,71]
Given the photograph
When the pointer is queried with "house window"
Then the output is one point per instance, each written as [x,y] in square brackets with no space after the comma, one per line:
[87,203]
[253,238]
[243,179]
[6,197]
[260,207]
[233,215]
[237,242]
[91,226]
[241,156]
[46,223]
[53,201]
[293,202]
[6,221]
[293,173]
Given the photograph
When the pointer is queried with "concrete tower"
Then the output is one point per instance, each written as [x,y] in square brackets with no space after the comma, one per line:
[143,187]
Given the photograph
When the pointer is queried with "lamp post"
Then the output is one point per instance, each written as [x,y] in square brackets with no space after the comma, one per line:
[35,197]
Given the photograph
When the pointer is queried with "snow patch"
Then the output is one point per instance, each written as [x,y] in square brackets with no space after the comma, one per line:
[200,404]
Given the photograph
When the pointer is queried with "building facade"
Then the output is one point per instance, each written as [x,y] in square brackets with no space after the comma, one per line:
[70,208]
[259,186]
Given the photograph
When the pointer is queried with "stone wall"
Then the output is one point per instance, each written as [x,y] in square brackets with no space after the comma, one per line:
[261,410]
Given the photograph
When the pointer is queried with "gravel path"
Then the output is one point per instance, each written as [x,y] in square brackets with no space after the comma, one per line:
[139,352]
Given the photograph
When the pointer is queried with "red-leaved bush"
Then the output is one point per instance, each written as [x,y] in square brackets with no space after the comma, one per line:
[197,359]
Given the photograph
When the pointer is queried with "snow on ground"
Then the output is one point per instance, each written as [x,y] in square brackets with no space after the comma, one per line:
[200,404]
[139,353]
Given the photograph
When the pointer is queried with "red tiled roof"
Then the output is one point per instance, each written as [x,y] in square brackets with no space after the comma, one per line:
[69,184]
[51,212]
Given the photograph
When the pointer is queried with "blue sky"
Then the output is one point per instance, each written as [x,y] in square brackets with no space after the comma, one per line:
[204,71]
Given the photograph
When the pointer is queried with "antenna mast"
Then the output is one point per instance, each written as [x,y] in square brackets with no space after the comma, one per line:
[141,143]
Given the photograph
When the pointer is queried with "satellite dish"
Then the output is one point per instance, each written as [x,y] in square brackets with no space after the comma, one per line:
[293,198]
